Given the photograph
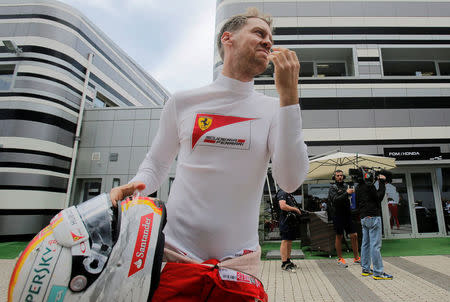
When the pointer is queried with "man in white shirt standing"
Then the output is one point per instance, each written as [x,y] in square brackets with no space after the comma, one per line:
[393,202]
[224,135]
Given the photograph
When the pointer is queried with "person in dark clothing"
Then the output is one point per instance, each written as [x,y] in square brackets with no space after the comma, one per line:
[339,204]
[288,232]
[368,200]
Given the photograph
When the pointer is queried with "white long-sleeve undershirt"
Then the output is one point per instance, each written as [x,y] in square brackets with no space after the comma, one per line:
[224,135]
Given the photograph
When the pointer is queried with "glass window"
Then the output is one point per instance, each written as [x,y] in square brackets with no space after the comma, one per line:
[306,69]
[409,68]
[116,182]
[331,70]
[102,101]
[99,103]
[444,68]
[6,75]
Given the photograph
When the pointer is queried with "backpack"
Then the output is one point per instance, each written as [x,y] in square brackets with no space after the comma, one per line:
[275,206]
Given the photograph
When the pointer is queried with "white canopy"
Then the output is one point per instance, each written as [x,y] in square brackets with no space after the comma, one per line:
[323,167]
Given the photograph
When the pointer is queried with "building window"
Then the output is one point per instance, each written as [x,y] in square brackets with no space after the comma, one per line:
[327,69]
[416,62]
[409,68]
[116,182]
[326,62]
[6,76]
[444,68]
[113,156]
[306,69]
[102,101]
[321,62]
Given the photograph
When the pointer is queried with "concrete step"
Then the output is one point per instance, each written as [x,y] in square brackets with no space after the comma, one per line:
[275,254]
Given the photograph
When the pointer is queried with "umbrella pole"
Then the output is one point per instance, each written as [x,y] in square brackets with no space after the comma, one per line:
[270,196]
[303,197]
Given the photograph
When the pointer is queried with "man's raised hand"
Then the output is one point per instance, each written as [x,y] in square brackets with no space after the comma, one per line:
[287,68]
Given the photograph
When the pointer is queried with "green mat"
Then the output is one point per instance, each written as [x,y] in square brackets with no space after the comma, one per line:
[11,250]
[390,247]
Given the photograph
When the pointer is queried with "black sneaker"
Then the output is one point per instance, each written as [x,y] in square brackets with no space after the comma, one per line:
[289,267]
[295,265]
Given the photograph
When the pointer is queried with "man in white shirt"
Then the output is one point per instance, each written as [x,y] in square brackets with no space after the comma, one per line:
[393,202]
[224,135]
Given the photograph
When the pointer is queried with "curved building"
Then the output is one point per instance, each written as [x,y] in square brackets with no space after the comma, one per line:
[54,63]
[374,79]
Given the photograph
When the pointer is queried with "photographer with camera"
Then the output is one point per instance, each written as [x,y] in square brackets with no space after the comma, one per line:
[339,210]
[368,200]
[288,227]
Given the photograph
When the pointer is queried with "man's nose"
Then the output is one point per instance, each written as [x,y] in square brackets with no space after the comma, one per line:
[267,43]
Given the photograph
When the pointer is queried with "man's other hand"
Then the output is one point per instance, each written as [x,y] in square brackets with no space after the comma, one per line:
[287,68]
[119,193]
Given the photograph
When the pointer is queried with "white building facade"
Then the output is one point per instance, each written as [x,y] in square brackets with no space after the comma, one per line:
[54,63]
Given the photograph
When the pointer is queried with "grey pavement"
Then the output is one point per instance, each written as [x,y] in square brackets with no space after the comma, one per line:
[416,278]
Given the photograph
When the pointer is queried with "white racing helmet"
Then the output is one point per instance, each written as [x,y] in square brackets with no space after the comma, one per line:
[90,253]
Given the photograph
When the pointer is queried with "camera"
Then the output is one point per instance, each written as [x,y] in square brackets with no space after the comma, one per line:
[368,175]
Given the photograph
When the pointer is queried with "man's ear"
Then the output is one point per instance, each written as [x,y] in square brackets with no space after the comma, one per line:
[226,38]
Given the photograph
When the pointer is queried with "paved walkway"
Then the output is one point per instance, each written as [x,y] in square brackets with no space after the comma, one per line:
[421,278]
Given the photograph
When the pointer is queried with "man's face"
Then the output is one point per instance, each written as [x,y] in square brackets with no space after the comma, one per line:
[251,46]
[339,176]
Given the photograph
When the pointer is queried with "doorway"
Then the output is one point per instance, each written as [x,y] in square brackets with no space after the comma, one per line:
[414,205]
[86,189]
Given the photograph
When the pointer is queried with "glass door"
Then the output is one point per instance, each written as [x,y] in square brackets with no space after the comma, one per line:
[86,189]
[398,205]
[424,202]
[443,180]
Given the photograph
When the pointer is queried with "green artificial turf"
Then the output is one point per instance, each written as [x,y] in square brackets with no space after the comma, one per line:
[11,250]
[390,247]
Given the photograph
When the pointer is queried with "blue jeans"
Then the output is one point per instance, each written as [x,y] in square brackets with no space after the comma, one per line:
[371,244]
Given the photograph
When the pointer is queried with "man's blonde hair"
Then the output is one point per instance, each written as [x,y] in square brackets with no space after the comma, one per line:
[236,22]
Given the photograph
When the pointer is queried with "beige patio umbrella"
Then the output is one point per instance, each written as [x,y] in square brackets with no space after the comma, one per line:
[323,167]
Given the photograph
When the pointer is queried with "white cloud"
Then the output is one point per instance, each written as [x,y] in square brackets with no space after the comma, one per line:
[172,40]
[189,63]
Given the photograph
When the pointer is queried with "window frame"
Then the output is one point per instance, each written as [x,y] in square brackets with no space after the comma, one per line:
[329,62]
[433,61]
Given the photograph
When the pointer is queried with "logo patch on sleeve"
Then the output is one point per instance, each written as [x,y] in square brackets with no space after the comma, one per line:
[205,123]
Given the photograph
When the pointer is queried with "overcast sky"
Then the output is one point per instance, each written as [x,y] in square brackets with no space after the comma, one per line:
[171,39]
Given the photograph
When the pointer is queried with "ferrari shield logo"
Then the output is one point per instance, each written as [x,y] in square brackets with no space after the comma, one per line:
[204,122]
